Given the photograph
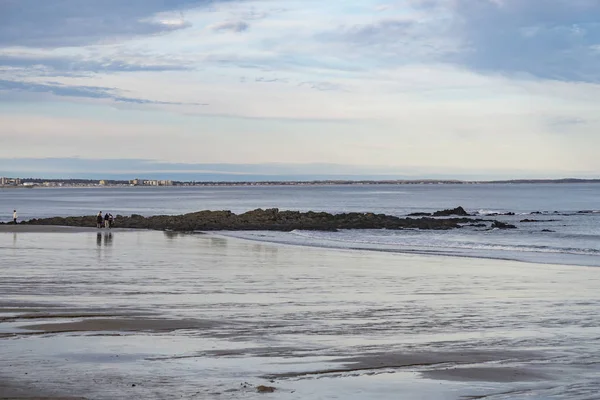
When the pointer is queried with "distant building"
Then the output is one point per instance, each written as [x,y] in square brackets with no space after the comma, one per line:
[150,182]
[103,183]
[10,181]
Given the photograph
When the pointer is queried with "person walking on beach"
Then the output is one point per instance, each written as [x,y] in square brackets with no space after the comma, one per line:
[99,220]
[110,220]
[106,221]
[15,216]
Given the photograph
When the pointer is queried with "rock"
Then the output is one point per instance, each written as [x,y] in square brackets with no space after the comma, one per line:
[265,389]
[502,225]
[420,214]
[547,230]
[268,220]
[529,220]
[455,211]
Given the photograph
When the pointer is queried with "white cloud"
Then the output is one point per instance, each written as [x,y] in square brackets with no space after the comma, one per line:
[229,26]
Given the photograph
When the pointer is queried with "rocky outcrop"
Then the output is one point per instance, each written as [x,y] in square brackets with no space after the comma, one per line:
[502,225]
[270,219]
[455,211]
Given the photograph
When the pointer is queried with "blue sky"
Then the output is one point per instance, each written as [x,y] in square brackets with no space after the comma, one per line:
[415,88]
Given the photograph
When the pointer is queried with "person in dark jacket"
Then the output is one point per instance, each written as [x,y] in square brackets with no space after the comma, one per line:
[106,221]
[99,220]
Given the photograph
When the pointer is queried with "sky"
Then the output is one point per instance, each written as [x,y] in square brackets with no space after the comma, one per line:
[467,89]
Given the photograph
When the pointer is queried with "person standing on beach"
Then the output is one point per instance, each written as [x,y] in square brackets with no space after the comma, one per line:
[106,221]
[110,220]
[15,216]
[99,220]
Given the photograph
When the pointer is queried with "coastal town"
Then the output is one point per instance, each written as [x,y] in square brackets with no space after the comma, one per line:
[7,183]
[35,182]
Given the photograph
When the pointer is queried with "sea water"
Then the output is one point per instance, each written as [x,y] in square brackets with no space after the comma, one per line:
[566,228]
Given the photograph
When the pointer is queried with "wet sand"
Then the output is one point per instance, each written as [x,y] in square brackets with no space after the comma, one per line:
[438,361]
[488,374]
[24,228]
[11,391]
[151,315]
[123,325]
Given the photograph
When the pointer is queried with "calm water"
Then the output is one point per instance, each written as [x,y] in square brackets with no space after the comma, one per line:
[568,231]
[264,309]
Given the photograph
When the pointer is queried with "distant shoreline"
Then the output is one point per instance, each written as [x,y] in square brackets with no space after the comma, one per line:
[82,183]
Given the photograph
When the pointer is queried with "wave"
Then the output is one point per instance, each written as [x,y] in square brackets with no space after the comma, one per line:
[432,243]
[455,245]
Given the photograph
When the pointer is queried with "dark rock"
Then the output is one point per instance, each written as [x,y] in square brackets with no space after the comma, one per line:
[478,225]
[420,214]
[455,211]
[530,220]
[547,230]
[269,220]
[265,389]
[502,225]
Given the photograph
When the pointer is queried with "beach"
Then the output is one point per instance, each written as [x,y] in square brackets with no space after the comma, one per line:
[140,314]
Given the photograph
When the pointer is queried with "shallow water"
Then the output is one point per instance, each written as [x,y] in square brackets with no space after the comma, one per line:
[205,316]
[566,232]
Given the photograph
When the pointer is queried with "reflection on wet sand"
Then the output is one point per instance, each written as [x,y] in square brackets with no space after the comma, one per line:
[218,242]
[107,237]
[209,312]
[173,234]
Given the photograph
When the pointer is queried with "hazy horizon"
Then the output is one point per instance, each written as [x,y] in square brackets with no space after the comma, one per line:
[124,169]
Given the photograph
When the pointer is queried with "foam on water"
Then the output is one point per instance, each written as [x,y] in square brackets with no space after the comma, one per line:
[480,244]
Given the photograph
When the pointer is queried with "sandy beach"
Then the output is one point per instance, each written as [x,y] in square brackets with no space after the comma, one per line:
[24,228]
[154,315]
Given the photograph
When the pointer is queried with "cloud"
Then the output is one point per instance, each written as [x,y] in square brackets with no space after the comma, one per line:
[61,90]
[59,23]
[48,65]
[323,86]
[381,31]
[392,41]
[229,26]
[550,39]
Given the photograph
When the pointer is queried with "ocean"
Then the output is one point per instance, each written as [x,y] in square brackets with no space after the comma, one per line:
[566,227]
